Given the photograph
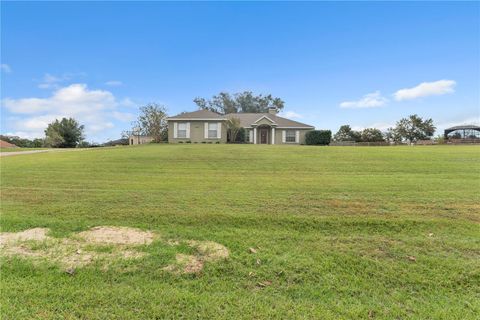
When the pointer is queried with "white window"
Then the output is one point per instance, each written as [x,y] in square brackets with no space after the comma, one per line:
[290,136]
[212,130]
[247,135]
[182,130]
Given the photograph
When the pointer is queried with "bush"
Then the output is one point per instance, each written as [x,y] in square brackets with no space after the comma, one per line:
[318,137]
[188,141]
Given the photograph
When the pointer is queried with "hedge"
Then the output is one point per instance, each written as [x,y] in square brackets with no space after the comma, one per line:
[318,137]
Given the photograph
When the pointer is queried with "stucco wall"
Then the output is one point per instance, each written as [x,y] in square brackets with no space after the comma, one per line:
[197,133]
[278,135]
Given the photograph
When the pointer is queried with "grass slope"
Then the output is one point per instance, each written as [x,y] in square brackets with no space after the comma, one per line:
[333,227]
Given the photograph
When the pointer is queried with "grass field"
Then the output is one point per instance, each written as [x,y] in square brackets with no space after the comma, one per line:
[333,228]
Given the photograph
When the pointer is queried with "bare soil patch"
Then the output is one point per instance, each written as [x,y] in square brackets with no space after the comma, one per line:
[117,235]
[104,245]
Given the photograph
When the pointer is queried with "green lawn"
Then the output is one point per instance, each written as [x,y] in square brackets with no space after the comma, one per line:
[333,228]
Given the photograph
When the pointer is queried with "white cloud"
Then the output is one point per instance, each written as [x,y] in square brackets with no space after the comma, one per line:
[51,82]
[94,108]
[114,83]
[371,100]
[426,89]
[290,115]
[5,68]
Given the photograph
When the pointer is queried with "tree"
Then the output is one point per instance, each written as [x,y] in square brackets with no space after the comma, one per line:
[246,101]
[345,133]
[152,121]
[66,133]
[412,129]
[372,135]
[233,127]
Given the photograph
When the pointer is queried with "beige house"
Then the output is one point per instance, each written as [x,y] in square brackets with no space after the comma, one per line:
[204,126]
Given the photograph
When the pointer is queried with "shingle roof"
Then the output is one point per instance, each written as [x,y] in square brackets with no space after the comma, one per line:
[247,119]
[199,114]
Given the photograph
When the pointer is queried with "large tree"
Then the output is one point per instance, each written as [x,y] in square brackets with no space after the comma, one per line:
[152,121]
[345,133]
[412,129]
[246,101]
[66,133]
[372,135]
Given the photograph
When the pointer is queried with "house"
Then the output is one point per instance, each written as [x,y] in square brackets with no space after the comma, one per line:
[139,139]
[204,126]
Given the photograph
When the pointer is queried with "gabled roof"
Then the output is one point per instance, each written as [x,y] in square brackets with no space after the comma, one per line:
[198,115]
[247,119]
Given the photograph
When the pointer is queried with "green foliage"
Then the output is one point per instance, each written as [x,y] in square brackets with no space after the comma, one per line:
[246,101]
[372,135]
[233,127]
[318,137]
[66,133]
[23,142]
[412,129]
[345,133]
[152,121]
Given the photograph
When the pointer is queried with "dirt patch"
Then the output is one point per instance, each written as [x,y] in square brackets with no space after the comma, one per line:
[185,263]
[103,245]
[35,234]
[207,251]
[117,235]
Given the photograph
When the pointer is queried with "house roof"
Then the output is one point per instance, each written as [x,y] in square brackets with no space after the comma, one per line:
[5,144]
[247,119]
[198,115]
[464,127]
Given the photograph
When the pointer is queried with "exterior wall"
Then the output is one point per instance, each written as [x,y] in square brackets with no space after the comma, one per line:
[197,132]
[302,132]
[134,140]
[278,135]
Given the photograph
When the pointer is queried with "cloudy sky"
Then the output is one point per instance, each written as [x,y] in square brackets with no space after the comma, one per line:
[363,64]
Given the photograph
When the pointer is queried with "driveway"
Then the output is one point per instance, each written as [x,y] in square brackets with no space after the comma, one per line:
[7,154]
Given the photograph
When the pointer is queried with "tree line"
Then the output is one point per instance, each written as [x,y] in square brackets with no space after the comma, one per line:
[152,121]
[406,130]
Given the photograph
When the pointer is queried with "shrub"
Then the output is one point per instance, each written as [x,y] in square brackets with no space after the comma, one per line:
[318,137]
[188,141]
[218,142]
[180,141]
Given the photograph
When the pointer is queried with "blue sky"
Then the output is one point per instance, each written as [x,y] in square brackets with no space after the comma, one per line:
[366,64]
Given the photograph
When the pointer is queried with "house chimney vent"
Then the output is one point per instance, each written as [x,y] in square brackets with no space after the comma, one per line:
[272,110]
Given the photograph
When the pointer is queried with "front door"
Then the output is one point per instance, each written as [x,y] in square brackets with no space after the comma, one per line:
[263,136]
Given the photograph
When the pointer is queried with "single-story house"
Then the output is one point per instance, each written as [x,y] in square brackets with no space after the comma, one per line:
[204,126]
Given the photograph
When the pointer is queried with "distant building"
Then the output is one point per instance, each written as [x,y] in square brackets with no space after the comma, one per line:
[5,144]
[464,132]
[139,139]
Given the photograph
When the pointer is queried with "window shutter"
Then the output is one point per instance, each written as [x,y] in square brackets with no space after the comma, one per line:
[188,130]
[175,133]
[297,136]
[219,130]
[205,134]
[250,135]
[284,136]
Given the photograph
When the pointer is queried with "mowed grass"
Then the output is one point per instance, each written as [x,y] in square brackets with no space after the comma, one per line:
[333,228]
